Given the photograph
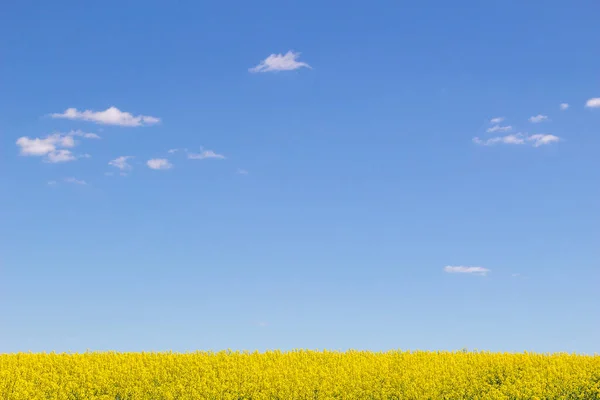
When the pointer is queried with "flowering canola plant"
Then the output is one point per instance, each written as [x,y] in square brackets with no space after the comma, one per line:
[299,374]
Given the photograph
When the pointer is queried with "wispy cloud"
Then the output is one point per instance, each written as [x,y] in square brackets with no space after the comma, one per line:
[54,147]
[536,140]
[205,154]
[121,163]
[536,119]
[159,163]
[541,139]
[564,106]
[59,156]
[87,135]
[110,116]
[593,102]
[466,270]
[496,120]
[241,171]
[75,181]
[51,183]
[280,62]
[498,128]
[508,139]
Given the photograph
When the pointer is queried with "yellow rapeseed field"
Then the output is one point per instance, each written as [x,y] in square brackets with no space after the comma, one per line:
[299,374]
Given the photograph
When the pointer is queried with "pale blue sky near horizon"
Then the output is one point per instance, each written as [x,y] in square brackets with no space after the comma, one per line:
[344,189]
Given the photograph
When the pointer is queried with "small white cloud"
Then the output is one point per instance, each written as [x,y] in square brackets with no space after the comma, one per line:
[280,62]
[593,103]
[51,183]
[110,116]
[59,156]
[515,275]
[262,324]
[496,120]
[204,155]
[121,163]
[75,181]
[518,138]
[173,151]
[159,163]
[538,118]
[241,171]
[466,270]
[87,135]
[564,106]
[542,139]
[498,128]
[508,139]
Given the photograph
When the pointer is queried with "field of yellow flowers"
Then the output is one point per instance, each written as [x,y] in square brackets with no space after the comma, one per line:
[299,374]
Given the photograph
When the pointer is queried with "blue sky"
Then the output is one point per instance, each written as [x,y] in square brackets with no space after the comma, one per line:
[336,179]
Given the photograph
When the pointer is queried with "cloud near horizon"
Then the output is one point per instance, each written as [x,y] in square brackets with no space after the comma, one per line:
[110,116]
[280,62]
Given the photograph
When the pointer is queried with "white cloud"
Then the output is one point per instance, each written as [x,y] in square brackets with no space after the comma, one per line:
[241,171]
[540,139]
[173,151]
[536,140]
[87,135]
[508,139]
[466,270]
[280,62]
[496,120]
[75,181]
[110,116]
[204,155]
[498,128]
[59,156]
[159,163]
[51,183]
[564,106]
[538,118]
[35,147]
[121,163]
[53,147]
[593,102]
